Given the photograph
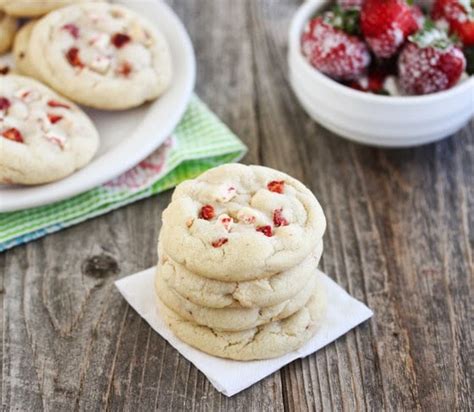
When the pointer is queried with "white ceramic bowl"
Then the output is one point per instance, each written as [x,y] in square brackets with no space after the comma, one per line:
[388,121]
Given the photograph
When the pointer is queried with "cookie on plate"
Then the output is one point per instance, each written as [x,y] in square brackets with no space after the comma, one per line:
[43,137]
[101,55]
[8,26]
[22,58]
[238,223]
[258,293]
[270,340]
[230,319]
[34,8]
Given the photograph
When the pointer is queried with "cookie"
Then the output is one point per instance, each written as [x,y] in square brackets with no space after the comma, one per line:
[43,137]
[230,319]
[101,55]
[8,27]
[250,294]
[238,223]
[271,340]
[33,8]
[22,58]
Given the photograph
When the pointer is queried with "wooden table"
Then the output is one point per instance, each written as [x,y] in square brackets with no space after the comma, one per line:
[399,238]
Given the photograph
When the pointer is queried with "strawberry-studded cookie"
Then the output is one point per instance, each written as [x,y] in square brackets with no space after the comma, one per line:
[101,55]
[43,137]
[237,223]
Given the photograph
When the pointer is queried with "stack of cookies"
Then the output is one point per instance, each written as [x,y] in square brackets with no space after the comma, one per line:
[237,257]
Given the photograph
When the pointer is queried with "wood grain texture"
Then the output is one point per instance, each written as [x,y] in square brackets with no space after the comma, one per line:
[399,238]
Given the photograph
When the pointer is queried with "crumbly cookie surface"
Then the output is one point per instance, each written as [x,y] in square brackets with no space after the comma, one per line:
[271,340]
[237,223]
[8,26]
[250,294]
[230,319]
[43,137]
[101,55]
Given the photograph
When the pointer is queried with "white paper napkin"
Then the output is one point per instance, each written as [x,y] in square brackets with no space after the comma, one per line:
[230,377]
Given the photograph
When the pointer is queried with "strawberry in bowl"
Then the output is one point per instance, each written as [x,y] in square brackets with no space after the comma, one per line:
[458,15]
[330,47]
[386,24]
[430,63]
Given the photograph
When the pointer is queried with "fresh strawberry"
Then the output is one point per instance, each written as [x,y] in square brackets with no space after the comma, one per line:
[332,50]
[350,4]
[458,15]
[386,24]
[430,62]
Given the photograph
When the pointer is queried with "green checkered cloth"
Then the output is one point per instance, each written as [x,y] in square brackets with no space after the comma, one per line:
[200,141]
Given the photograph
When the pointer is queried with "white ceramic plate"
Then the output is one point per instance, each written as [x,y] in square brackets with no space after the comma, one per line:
[126,137]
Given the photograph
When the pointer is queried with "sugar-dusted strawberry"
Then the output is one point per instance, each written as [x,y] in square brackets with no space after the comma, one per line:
[332,50]
[373,82]
[350,4]
[458,15]
[430,62]
[386,24]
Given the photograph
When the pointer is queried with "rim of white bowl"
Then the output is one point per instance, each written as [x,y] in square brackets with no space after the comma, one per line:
[298,22]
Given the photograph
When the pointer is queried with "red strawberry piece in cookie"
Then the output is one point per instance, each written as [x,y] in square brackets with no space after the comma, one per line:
[276,186]
[54,118]
[386,24]
[56,104]
[219,242]
[332,51]
[279,219]
[72,29]
[266,230]
[226,222]
[125,69]
[120,39]
[73,57]
[458,15]
[4,104]
[430,63]
[207,212]
[13,134]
